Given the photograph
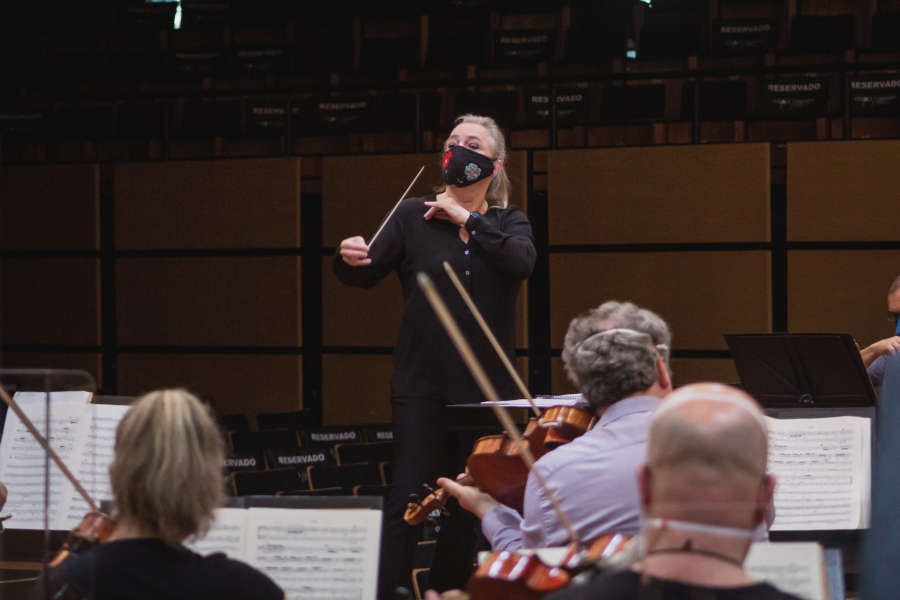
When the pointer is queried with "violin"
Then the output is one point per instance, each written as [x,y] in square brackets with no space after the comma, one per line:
[95,527]
[520,576]
[495,464]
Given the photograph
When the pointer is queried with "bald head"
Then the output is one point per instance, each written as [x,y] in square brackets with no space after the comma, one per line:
[707,455]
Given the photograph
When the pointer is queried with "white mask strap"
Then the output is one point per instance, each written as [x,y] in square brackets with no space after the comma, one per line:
[692,527]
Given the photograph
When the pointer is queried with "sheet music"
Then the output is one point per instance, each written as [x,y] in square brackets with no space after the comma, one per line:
[794,567]
[22,459]
[228,534]
[317,554]
[823,472]
[93,456]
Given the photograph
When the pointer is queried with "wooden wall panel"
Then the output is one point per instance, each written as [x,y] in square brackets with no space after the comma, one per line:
[690,370]
[702,295]
[252,203]
[842,291]
[684,370]
[209,301]
[358,191]
[88,361]
[354,316]
[842,190]
[709,193]
[239,383]
[50,301]
[50,207]
[356,388]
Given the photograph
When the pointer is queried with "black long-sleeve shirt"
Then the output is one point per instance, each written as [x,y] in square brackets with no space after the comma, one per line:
[498,258]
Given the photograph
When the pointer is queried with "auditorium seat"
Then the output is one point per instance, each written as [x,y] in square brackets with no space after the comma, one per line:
[317,437]
[794,107]
[243,441]
[363,452]
[201,126]
[278,458]
[294,420]
[22,132]
[420,582]
[378,433]
[372,490]
[885,26]
[343,476]
[246,483]
[386,472]
[823,34]
[388,43]
[874,105]
[329,491]
[244,461]
[235,422]
[457,38]
[502,105]
[324,123]
[722,109]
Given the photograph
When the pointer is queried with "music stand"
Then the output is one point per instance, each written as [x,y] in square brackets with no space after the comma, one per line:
[801,370]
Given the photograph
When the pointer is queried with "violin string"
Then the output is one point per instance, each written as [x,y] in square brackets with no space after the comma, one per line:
[50,451]
[492,338]
[390,214]
[477,371]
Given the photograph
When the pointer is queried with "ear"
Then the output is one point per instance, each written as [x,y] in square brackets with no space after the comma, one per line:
[665,381]
[765,508]
[643,480]
[498,166]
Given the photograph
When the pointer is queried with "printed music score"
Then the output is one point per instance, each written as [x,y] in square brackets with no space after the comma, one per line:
[823,471]
[81,433]
[317,554]
[794,567]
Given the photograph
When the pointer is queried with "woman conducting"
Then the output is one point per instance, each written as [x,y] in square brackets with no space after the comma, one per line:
[166,479]
[489,244]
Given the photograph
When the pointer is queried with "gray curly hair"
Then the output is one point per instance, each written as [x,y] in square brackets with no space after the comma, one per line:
[620,363]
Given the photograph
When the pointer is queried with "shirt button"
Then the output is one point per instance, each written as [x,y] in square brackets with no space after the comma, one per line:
[466,252]
[468,273]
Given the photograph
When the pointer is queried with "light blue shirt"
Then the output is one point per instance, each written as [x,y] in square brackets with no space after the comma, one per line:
[594,479]
[876,370]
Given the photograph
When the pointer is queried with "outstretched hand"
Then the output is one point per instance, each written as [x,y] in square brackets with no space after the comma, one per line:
[470,498]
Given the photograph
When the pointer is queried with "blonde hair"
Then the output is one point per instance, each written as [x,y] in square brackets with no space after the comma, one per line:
[167,471]
[498,191]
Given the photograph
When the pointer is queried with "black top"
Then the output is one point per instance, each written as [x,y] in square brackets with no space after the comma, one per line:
[499,256]
[626,585]
[148,569]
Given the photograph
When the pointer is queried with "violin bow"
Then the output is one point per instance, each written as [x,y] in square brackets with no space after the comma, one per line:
[391,214]
[477,371]
[491,338]
[46,446]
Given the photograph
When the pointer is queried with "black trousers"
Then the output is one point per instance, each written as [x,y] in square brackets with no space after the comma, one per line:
[424,450]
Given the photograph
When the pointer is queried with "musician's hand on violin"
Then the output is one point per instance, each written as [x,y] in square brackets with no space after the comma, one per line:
[444,207]
[470,498]
[355,252]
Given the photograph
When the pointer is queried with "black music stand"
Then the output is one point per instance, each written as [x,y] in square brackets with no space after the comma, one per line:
[801,370]
[808,375]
